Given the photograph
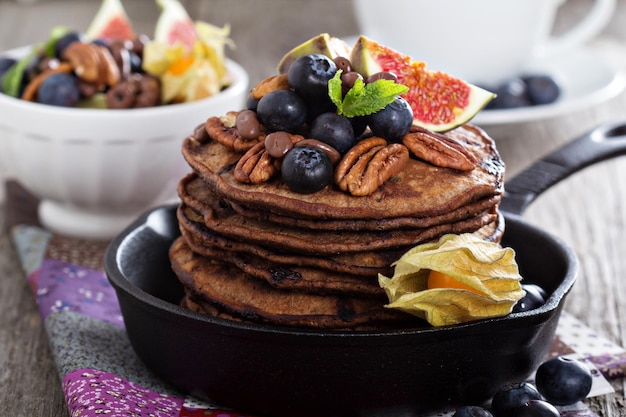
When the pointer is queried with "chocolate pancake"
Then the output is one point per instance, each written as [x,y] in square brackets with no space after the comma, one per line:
[421,190]
[470,210]
[255,300]
[296,278]
[222,219]
[203,240]
[204,307]
[366,264]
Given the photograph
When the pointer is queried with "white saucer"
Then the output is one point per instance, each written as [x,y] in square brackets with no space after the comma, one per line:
[586,80]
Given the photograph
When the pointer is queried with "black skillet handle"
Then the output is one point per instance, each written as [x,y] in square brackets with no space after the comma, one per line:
[602,143]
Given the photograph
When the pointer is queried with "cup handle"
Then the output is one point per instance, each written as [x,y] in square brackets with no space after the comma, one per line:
[587,28]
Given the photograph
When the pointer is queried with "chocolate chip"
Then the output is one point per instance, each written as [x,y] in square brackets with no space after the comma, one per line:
[248,125]
[278,144]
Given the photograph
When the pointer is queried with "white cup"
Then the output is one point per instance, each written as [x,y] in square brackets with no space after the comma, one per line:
[481,41]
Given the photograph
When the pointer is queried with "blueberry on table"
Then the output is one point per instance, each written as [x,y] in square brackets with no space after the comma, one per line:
[282,110]
[511,396]
[59,90]
[536,408]
[471,411]
[563,381]
[392,122]
[306,170]
[335,130]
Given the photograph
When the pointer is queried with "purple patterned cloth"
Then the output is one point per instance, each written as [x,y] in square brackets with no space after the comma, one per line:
[66,287]
[93,393]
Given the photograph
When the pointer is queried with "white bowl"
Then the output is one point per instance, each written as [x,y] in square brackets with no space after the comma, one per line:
[96,170]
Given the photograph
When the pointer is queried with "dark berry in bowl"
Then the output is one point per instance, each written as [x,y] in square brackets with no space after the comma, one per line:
[471,411]
[536,408]
[563,381]
[282,110]
[335,130]
[508,398]
[511,94]
[66,40]
[5,64]
[59,90]
[542,89]
[392,122]
[306,170]
[535,297]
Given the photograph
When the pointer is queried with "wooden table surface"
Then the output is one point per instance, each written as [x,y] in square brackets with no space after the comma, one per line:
[587,210]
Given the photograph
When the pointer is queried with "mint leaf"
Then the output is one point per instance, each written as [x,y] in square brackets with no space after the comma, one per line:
[334,91]
[363,99]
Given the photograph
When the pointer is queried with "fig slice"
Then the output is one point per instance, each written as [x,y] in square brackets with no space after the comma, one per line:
[174,25]
[110,22]
[440,102]
[323,44]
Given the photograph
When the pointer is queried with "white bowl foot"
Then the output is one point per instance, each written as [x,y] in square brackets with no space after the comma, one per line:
[82,222]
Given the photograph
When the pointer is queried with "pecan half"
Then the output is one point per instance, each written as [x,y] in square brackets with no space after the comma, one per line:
[109,71]
[92,63]
[269,84]
[369,164]
[255,166]
[224,131]
[438,149]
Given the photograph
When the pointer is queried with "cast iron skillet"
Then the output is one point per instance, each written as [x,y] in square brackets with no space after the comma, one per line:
[277,371]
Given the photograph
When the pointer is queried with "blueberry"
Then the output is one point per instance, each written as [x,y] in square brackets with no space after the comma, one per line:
[65,41]
[251,102]
[135,63]
[308,76]
[511,94]
[359,124]
[306,170]
[5,64]
[471,411]
[335,130]
[511,396]
[542,89]
[59,90]
[392,122]
[563,381]
[282,110]
[535,297]
[101,42]
[32,68]
[536,408]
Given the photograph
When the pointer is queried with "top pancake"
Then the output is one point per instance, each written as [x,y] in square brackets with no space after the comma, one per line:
[420,190]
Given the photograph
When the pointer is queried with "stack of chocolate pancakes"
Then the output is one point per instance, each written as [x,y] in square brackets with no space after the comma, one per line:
[263,253]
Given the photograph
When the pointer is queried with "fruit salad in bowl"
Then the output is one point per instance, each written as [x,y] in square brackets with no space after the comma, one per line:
[92,121]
